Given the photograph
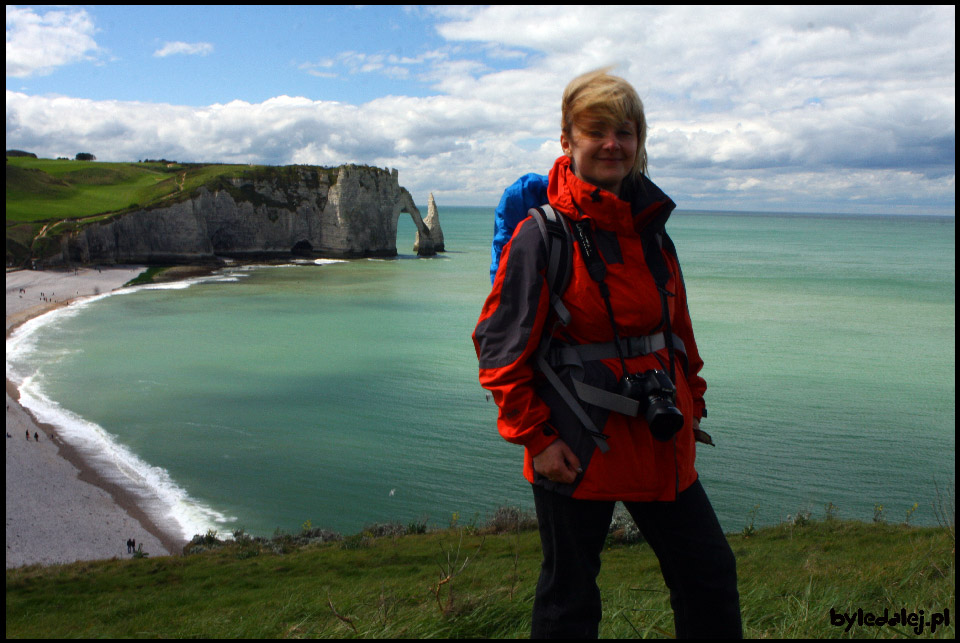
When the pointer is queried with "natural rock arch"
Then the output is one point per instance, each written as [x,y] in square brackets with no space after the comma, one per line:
[424,244]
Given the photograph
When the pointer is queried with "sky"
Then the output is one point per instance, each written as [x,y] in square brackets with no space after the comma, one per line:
[848,110]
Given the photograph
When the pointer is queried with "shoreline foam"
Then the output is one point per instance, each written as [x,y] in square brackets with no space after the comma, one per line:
[59,508]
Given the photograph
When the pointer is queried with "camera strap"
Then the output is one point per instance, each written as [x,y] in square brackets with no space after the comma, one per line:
[597,270]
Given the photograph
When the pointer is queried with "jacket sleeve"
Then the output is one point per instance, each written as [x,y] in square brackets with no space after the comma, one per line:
[508,335]
[683,327]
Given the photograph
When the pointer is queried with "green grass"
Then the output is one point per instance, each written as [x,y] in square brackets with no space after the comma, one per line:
[790,576]
[44,189]
[47,198]
[39,190]
[48,190]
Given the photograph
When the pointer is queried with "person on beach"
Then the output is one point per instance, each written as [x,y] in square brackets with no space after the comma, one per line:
[619,340]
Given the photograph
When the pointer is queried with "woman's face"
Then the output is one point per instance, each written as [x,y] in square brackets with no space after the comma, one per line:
[603,154]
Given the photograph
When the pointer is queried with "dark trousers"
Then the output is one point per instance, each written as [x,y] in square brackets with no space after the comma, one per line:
[695,559]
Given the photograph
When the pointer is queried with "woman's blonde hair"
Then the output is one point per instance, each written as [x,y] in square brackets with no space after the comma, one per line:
[610,98]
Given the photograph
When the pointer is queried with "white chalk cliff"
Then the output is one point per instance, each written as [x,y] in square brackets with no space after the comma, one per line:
[349,211]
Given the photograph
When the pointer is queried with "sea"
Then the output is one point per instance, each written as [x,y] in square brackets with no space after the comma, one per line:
[345,393]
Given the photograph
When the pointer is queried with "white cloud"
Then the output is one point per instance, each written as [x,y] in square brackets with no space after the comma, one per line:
[185,48]
[389,65]
[809,89]
[37,44]
[748,108]
[320,68]
[433,141]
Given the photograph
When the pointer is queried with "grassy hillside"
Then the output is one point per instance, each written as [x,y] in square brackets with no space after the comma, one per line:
[45,197]
[790,577]
[45,190]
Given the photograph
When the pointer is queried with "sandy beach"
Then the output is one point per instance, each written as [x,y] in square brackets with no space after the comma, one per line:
[58,509]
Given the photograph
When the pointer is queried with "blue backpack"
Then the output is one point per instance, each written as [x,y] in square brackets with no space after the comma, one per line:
[529,191]
[528,197]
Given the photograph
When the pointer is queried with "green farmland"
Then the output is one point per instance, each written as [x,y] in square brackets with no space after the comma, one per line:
[45,190]
[47,198]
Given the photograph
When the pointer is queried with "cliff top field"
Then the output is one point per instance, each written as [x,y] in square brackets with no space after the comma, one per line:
[42,192]
[46,197]
[45,189]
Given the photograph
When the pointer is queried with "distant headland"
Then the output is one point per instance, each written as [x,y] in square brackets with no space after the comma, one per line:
[80,212]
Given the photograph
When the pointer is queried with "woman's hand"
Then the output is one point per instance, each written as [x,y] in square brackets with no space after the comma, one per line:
[557,463]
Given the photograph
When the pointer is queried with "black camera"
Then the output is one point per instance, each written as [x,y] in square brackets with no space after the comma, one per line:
[657,397]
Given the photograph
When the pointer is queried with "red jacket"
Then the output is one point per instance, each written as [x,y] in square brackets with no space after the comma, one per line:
[637,467]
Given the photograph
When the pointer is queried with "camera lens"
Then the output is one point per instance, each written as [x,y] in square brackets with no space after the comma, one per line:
[664,420]
[662,416]
[657,397]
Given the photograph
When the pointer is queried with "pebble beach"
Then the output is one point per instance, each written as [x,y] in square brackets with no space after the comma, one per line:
[59,510]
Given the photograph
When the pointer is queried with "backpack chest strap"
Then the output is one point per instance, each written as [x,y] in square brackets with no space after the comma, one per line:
[577,354]
[574,356]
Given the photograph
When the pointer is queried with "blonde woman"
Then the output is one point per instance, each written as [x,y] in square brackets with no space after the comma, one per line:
[619,346]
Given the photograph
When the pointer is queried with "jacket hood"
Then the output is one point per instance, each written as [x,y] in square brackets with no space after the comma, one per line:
[646,204]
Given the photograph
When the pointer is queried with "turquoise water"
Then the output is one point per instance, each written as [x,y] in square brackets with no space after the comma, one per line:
[346,393]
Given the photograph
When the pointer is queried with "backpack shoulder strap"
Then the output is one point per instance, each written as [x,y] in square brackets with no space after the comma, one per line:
[558,241]
[559,246]
[653,244]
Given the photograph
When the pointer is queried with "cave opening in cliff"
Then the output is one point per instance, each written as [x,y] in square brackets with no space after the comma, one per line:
[302,249]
